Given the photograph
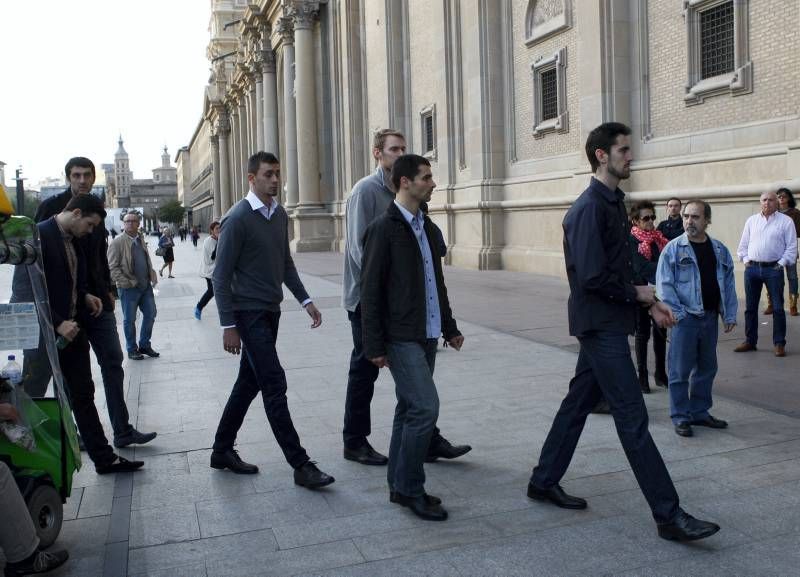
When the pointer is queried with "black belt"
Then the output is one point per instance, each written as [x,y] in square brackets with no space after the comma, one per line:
[772,263]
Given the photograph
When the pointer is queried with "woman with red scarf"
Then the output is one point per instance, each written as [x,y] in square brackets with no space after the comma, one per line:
[647,244]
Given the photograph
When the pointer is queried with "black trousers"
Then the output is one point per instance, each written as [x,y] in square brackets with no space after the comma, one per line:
[605,369]
[77,371]
[360,388]
[644,326]
[207,296]
[260,370]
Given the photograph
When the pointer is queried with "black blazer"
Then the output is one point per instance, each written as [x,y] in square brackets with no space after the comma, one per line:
[57,273]
[393,304]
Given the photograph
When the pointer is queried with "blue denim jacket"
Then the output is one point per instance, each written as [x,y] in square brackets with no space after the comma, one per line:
[678,280]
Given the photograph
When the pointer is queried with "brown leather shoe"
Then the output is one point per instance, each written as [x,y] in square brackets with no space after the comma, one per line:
[744,347]
[780,351]
[768,310]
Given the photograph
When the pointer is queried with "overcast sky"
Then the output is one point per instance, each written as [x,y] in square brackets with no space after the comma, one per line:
[77,73]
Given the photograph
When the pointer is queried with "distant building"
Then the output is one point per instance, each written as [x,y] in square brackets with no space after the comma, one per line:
[47,191]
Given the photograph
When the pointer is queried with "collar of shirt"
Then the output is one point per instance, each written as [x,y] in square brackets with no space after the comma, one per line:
[608,194]
[407,214]
[256,204]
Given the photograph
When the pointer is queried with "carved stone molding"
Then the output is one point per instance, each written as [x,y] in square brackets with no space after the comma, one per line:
[545,18]
[266,60]
[285,28]
[304,12]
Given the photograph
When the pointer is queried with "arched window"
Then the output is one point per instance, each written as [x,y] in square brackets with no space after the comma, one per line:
[545,18]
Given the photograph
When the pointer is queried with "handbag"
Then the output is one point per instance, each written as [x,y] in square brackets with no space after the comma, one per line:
[160,251]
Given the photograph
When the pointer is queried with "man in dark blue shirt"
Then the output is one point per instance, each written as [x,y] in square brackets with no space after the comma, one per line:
[672,226]
[602,313]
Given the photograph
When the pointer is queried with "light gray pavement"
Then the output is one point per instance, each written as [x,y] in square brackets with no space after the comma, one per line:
[178,517]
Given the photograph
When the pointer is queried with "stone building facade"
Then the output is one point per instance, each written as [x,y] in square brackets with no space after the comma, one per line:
[500,96]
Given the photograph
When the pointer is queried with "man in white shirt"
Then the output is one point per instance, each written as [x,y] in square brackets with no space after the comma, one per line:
[768,244]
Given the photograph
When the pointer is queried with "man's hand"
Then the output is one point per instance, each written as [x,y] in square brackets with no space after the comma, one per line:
[111,299]
[68,330]
[8,412]
[456,342]
[646,294]
[231,341]
[380,362]
[316,316]
[662,314]
[94,304]
[153,277]
[729,327]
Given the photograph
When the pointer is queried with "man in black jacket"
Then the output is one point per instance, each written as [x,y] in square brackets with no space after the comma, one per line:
[602,313]
[404,311]
[102,329]
[72,306]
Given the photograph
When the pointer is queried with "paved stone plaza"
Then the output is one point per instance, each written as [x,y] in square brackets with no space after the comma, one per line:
[178,517]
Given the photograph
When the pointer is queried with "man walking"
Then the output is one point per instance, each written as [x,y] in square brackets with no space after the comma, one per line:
[102,329]
[133,273]
[768,244]
[602,313]
[405,311]
[253,261]
[695,279]
[672,226]
[369,199]
[71,308]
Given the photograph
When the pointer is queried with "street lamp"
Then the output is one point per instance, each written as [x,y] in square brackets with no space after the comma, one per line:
[20,192]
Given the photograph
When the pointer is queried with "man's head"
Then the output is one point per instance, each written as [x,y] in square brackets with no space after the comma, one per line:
[608,149]
[786,199]
[769,203]
[131,222]
[80,174]
[387,146]
[412,177]
[643,215]
[213,229]
[264,175]
[696,218]
[82,214]
[674,207]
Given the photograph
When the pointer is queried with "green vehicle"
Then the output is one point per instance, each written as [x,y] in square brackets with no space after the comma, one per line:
[44,475]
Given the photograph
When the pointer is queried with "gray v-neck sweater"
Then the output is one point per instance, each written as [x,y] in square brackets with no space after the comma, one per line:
[253,261]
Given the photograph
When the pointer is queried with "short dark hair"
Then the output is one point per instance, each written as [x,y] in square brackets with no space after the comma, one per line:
[80,161]
[674,198]
[408,166]
[640,205]
[788,193]
[603,138]
[704,204]
[259,158]
[213,225]
[88,204]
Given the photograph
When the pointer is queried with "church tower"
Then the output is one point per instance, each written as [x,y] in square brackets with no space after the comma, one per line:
[122,176]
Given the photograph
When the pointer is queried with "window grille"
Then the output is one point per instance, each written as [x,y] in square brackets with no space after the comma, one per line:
[549,96]
[717,40]
[427,124]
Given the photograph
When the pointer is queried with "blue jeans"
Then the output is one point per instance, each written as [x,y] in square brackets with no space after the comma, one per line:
[755,277]
[791,276]
[260,371]
[692,366]
[411,365]
[605,370]
[131,300]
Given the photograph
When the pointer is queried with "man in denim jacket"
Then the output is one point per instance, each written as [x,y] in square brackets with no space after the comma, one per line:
[695,278]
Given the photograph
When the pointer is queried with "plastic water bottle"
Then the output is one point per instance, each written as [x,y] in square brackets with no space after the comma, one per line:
[12,372]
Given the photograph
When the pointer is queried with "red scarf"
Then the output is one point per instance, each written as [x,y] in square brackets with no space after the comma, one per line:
[646,238]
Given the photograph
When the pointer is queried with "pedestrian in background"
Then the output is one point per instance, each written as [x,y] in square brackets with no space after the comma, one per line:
[788,206]
[166,244]
[195,236]
[207,268]
[672,226]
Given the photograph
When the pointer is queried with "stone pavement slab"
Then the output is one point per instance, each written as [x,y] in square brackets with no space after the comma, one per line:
[499,394]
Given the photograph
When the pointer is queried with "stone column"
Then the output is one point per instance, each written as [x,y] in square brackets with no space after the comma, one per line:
[223,131]
[259,104]
[215,214]
[233,148]
[270,113]
[289,159]
[244,147]
[304,13]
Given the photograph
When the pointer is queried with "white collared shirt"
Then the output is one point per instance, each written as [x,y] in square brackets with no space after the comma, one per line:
[255,202]
[768,239]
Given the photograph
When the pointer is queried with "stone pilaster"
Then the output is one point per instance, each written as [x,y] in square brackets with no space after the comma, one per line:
[222,200]
[289,159]
[270,98]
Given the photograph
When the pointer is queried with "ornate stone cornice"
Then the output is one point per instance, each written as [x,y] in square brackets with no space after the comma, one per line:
[285,28]
[223,124]
[266,60]
[214,138]
[304,12]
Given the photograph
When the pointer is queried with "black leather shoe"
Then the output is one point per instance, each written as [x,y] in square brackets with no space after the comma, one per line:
[556,496]
[712,422]
[119,465]
[133,438]
[441,448]
[684,429]
[135,355]
[149,352]
[421,507]
[310,477]
[365,455]
[602,408]
[686,528]
[661,380]
[230,460]
[429,498]
[39,562]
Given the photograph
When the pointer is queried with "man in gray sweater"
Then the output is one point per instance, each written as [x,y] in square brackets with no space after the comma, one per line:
[253,261]
[369,199]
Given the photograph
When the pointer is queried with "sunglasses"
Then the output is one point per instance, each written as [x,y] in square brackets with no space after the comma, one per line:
[647,217]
